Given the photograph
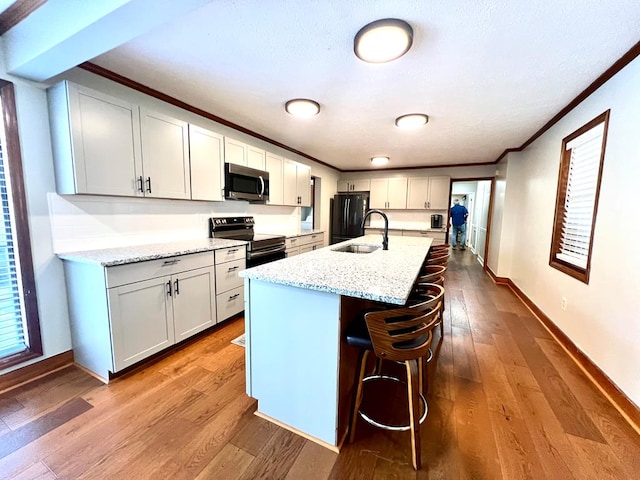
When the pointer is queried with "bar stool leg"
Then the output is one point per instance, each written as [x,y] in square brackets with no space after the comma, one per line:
[414,410]
[357,397]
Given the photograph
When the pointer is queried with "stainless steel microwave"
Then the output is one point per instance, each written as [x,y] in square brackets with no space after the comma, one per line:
[244,183]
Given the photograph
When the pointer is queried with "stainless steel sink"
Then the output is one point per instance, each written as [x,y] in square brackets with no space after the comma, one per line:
[357,248]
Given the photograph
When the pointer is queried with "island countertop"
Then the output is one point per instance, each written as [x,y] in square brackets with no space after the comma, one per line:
[108,257]
[382,275]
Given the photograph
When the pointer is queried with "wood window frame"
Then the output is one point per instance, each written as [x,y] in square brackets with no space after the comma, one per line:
[21,221]
[581,274]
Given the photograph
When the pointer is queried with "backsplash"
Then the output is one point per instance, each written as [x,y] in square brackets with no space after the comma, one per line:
[92,222]
[408,219]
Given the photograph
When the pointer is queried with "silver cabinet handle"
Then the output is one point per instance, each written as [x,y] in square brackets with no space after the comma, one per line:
[233,269]
[232,250]
[425,204]
[148,184]
[140,184]
[167,263]
[233,297]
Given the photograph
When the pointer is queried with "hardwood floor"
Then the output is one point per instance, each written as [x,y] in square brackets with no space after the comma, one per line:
[505,401]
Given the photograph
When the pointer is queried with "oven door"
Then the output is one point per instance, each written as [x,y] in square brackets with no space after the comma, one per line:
[260,257]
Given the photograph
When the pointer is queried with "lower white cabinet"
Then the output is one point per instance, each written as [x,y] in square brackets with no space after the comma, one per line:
[229,285]
[304,243]
[123,314]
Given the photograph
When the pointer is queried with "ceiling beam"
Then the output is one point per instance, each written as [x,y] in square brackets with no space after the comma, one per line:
[62,34]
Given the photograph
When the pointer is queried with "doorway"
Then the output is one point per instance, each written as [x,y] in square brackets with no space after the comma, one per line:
[476,195]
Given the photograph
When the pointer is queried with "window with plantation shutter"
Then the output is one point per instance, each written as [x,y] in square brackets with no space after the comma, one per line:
[19,324]
[577,198]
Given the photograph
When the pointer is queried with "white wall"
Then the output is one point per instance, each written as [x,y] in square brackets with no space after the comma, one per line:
[602,318]
[35,145]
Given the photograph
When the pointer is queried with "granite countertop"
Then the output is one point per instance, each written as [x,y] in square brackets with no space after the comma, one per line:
[385,276]
[108,257]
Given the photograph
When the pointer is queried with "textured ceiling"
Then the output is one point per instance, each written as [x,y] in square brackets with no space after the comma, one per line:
[488,73]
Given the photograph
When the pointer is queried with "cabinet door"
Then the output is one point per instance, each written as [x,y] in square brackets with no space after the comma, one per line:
[207,168]
[439,193]
[397,193]
[194,307]
[362,185]
[378,195]
[276,180]
[290,177]
[165,156]
[105,134]
[141,320]
[343,185]
[235,152]
[255,158]
[417,192]
[303,182]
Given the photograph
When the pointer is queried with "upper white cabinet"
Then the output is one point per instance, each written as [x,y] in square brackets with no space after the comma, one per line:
[274,165]
[256,157]
[428,193]
[165,155]
[388,193]
[235,151]
[297,184]
[360,185]
[96,142]
[207,164]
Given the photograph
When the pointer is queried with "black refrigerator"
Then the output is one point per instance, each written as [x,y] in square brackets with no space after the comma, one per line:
[346,216]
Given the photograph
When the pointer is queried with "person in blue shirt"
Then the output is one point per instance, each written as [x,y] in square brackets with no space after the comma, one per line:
[459,216]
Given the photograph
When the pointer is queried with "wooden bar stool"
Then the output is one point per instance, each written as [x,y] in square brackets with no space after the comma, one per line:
[431,272]
[437,249]
[442,259]
[402,335]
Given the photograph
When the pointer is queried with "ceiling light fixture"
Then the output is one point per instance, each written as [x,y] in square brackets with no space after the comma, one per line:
[383,40]
[302,107]
[379,160]
[411,121]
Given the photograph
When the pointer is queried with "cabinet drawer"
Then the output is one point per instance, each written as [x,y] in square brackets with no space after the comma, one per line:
[292,242]
[292,252]
[227,275]
[136,272]
[306,248]
[310,239]
[230,303]
[230,254]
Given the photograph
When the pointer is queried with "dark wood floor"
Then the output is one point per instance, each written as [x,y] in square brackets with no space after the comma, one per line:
[505,402]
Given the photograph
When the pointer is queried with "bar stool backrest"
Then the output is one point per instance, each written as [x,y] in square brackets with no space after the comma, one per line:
[431,272]
[439,260]
[402,334]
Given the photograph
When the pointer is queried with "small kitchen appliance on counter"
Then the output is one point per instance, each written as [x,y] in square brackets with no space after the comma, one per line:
[436,221]
[262,248]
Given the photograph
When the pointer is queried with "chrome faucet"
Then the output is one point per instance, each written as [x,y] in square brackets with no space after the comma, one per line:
[385,235]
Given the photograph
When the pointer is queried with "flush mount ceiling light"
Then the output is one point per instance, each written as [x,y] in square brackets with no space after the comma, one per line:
[379,160]
[411,121]
[383,40]
[302,107]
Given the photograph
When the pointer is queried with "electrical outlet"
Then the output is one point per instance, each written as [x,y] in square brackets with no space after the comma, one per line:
[564,304]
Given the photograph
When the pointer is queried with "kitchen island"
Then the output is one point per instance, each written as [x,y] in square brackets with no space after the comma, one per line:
[298,365]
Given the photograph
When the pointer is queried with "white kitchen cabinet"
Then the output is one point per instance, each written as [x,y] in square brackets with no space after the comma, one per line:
[297,184]
[437,236]
[304,243]
[360,185]
[439,188]
[96,142]
[274,165]
[430,193]
[255,158]
[165,155]
[388,193]
[229,285]
[235,151]
[122,314]
[207,164]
